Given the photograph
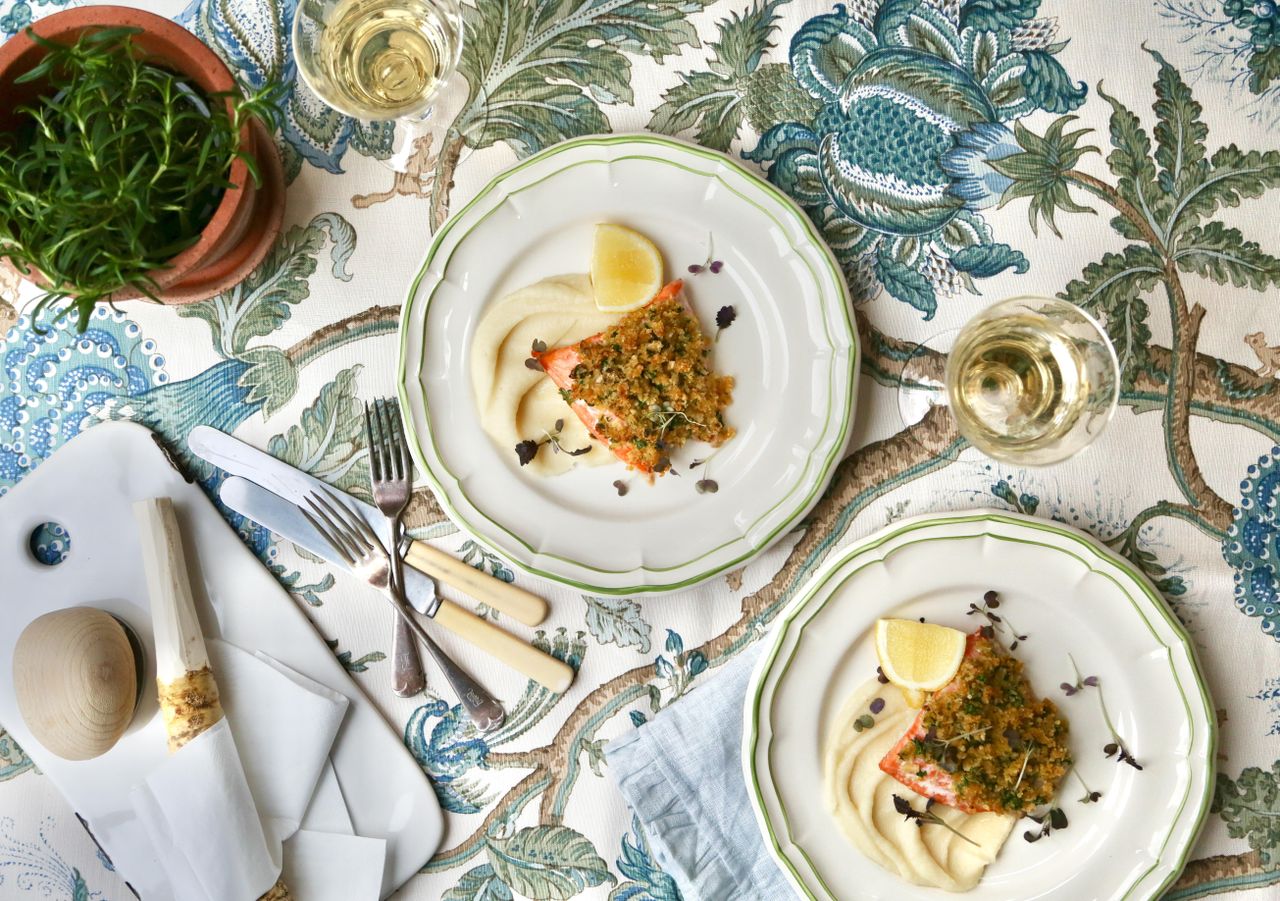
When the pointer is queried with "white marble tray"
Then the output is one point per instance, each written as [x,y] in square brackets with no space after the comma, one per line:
[89,487]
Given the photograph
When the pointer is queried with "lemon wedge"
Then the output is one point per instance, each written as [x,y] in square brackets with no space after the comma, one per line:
[626,269]
[918,657]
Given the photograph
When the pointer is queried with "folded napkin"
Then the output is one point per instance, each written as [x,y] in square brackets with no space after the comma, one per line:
[325,860]
[219,811]
[681,773]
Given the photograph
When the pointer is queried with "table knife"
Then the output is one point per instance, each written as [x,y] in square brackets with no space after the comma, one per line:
[244,460]
[286,520]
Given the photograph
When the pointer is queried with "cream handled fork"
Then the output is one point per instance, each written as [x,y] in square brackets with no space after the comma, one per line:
[352,539]
[390,477]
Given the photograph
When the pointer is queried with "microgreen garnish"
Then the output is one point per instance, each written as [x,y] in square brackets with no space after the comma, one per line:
[903,806]
[706,486]
[714,266]
[528,449]
[1089,796]
[1116,745]
[866,721]
[932,737]
[996,622]
[1080,683]
[1031,746]
[669,417]
[622,487]
[539,347]
[724,318]
[1048,821]
[877,705]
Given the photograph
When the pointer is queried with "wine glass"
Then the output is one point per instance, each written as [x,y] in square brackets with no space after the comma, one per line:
[386,61]
[1030,381]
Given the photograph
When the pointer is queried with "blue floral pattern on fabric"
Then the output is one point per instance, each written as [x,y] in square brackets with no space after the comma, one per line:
[1250,545]
[55,382]
[913,99]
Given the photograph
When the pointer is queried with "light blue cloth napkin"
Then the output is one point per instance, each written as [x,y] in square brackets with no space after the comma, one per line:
[682,775]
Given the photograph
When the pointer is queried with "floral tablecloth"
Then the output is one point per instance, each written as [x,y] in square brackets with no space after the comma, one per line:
[1117,152]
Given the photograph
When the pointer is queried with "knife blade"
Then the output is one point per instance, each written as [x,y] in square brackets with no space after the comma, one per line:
[243,460]
[285,518]
[290,487]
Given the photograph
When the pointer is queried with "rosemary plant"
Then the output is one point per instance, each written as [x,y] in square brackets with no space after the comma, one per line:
[116,169]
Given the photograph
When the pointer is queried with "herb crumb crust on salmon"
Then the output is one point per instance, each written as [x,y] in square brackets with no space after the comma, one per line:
[645,386]
[984,741]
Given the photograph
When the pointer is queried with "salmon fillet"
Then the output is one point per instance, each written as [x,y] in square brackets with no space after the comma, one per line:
[562,363]
[1000,732]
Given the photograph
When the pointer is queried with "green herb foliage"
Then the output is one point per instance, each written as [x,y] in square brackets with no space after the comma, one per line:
[116,169]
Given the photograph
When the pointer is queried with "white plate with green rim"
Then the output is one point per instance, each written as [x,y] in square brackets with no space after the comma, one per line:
[792,349]
[1068,596]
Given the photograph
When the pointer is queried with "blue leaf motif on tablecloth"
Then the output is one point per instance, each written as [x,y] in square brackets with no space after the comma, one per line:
[447,746]
[13,760]
[54,382]
[1250,544]
[37,868]
[913,100]
[1236,43]
[645,879]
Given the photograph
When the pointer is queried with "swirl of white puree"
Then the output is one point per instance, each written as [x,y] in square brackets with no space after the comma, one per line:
[859,795]
[517,403]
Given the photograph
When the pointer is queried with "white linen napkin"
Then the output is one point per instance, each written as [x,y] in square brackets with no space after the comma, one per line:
[221,799]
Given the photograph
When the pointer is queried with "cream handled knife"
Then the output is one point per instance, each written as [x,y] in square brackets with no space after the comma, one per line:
[293,485]
[286,520]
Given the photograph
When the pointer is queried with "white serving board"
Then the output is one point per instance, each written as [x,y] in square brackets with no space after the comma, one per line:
[89,486]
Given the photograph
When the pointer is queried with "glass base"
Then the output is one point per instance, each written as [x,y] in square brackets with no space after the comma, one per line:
[922,384]
[416,144]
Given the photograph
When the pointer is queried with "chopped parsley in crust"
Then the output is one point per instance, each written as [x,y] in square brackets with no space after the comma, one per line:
[645,386]
[984,742]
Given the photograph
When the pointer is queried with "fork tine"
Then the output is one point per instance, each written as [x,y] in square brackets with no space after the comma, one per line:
[388,437]
[375,446]
[354,522]
[328,535]
[331,517]
[400,441]
[393,422]
[389,471]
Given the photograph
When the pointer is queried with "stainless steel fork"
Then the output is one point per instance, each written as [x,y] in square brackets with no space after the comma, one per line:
[352,539]
[390,477]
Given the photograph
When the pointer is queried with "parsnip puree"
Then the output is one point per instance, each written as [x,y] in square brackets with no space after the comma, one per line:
[518,403]
[860,797]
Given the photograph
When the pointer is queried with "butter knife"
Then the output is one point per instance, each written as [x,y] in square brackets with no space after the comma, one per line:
[241,459]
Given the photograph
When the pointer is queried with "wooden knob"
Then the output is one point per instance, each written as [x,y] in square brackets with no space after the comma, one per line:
[76,681]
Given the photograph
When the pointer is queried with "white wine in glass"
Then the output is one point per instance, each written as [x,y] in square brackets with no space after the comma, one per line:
[1030,381]
[382,60]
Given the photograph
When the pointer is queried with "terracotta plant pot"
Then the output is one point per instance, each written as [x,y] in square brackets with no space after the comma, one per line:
[246,221]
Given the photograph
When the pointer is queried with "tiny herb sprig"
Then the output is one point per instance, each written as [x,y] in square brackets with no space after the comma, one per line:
[995,622]
[725,317]
[708,265]
[1090,796]
[116,169]
[538,347]
[1048,821]
[921,817]
[1116,746]
[528,449]
[1081,683]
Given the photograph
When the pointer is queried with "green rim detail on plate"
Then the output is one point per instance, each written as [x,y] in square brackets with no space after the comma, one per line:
[1152,597]
[841,419]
